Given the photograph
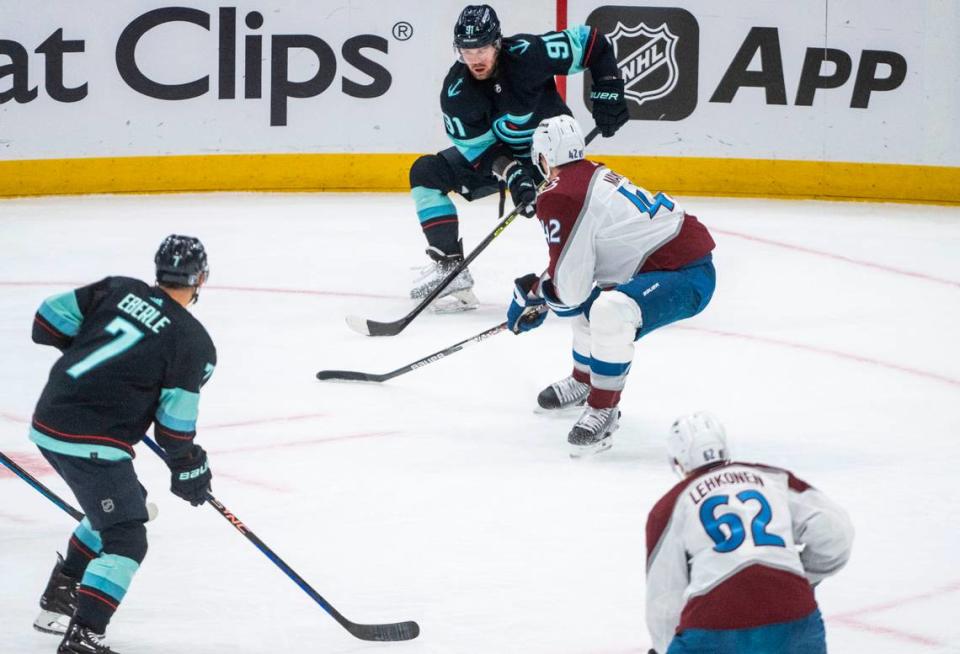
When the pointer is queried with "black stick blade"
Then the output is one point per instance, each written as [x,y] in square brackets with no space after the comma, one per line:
[385,632]
[349,375]
[374,328]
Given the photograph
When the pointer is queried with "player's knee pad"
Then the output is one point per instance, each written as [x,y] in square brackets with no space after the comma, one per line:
[430,171]
[127,539]
[614,313]
[581,333]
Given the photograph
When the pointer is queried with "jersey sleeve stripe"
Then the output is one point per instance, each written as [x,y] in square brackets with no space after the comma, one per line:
[63,313]
[578,37]
[178,409]
[167,433]
[176,424]
[43,324]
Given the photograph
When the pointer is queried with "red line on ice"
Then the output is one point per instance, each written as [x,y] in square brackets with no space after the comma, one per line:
[264,421]
[303,291]
[838,257]
[849,618]
[250,481]
[43,468]
[892,604]
[15,518]
[35,464]
[887,631]
[307,443]
[823,350]
[241,289]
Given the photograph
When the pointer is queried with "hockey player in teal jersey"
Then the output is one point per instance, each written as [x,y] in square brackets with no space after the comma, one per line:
[492,99]
[132,355]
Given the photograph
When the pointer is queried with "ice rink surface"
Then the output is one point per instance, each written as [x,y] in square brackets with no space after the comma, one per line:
[830,348]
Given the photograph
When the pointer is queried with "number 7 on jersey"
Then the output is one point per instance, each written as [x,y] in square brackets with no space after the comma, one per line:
[126,337]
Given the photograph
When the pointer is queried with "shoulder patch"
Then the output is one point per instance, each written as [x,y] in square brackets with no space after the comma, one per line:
[455,88]
[519,47]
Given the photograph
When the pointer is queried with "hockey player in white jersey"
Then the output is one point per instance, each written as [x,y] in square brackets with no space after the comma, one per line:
[623,262]
[734,551]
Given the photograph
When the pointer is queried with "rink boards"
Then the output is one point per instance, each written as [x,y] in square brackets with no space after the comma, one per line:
[816,98]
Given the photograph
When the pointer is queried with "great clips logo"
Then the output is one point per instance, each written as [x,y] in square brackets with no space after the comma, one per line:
[363,76]
[657,51]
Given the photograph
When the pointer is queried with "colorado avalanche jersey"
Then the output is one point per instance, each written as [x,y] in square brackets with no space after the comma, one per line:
[132,356]
[738,546]
[602,230]
[499,115]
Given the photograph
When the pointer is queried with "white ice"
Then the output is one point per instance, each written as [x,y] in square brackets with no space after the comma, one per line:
[830,348]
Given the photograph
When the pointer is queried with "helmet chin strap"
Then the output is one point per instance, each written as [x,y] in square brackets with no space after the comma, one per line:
[680,472]
[542,158]
[196,289]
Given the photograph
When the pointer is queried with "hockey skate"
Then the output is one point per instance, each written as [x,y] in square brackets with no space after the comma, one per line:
[567,392]
[591,434]
[82,640]
[458,295]
[57,603]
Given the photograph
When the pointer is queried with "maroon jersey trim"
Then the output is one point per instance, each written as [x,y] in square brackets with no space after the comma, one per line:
[753,596]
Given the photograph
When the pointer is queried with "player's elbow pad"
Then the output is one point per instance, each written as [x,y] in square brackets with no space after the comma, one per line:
[831,550]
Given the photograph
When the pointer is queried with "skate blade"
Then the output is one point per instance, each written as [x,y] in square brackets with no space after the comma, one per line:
[456,302]
[564,411]
[560,411]
[586,451]
[49,622]
[602,445]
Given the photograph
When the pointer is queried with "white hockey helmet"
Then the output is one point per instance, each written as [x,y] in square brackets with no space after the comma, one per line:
[559,140]
[696,440]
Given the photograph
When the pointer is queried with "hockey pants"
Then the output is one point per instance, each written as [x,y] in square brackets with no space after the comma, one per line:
[604,334]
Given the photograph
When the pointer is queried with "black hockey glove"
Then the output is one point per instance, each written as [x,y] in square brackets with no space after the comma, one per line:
[190,475]
[609,105]
[523,190]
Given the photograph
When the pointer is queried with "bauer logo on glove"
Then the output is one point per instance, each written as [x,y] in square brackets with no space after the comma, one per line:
[609,105]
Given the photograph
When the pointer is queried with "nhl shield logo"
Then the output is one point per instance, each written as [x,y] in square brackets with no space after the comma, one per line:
[107,505]
[658,53]
[647,58]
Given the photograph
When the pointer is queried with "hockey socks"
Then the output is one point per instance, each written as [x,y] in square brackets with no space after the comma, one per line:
[102,588]
[84,546]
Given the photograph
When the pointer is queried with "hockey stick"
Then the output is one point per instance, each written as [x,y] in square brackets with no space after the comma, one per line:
[375,328]
[37,485]
[350,375]
[379,632]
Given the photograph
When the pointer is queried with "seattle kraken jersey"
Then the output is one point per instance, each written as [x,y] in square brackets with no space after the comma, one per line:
[131,356]
[484,116]
[737,546]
